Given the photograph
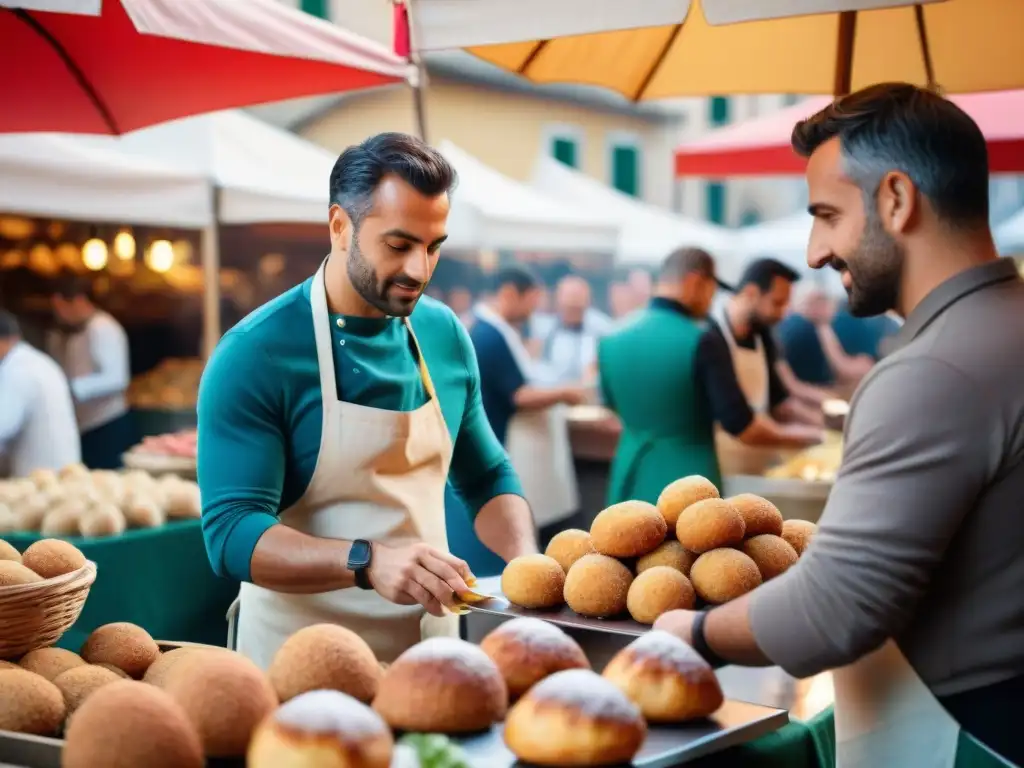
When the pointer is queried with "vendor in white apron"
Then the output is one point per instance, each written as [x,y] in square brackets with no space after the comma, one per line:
[911,586]
[759,302]
[327,427]
[526,408]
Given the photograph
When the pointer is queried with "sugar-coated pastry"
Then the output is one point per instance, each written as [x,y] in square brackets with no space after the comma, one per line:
[708,525]
[722,575]
[680,494]
[628,529]
[533,581]
[597,586]
[527,650]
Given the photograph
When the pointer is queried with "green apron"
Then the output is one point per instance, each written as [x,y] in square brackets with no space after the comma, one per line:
[648,379]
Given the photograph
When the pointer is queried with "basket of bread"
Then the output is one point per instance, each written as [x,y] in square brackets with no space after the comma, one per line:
[42,592]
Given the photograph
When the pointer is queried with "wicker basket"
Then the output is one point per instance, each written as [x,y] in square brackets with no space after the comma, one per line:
[36,615]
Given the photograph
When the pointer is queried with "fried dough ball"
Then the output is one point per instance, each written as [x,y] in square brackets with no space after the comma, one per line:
[759,515]
[568,546]
[709,524]
[799,534]
[656,591]
[597,586]
[52,557]
[722,575]
[773,554]
[533,581]
[672,554]
[680,494]
[628,529]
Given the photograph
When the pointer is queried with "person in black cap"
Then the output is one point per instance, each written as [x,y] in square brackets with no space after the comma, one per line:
[669,375]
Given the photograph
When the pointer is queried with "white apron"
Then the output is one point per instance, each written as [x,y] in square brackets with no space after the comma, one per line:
[751,367]
[538,441]
[380,476]
[885,715]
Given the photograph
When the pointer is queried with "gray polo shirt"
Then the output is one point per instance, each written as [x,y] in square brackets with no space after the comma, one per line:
[922,538]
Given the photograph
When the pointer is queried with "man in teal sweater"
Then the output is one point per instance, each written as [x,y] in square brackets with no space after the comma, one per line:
[329,418]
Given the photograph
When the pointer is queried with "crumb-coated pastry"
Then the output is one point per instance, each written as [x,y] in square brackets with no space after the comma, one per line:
[722,575]
[597,586]
[759,515]
[708,525]
[442,685]
[325,657]
[628,529]
[533,581]
[568,546]
[666,678]
[527,650]
[322,729]
[656,591]
[772,554]
[680,494]
[799,534]
[575,718]
[670,553]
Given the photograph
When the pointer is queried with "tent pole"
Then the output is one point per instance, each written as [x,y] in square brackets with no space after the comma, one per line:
[210,249]
[419,87]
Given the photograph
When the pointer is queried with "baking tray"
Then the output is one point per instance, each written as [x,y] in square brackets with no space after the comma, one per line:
[735,723]
[24,751]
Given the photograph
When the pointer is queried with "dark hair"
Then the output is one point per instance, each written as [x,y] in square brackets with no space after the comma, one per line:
[519,276]
[897,126]
[9,327]
[763,272]
[359,170]
[71,286]
[685,261]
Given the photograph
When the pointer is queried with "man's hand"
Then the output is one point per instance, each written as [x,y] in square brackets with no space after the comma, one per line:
[575,396]
[678,623]
[418,574]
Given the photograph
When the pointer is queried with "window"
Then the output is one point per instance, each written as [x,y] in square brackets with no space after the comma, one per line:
[790,99]
[719,110]
[715,203]
[564,150]
[625,168]
[319,8]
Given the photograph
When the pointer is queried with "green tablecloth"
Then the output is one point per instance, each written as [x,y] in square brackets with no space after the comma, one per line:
[158,578]
[809,744]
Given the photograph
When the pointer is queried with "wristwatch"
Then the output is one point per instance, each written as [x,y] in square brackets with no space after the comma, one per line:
[359,558]
[700,643]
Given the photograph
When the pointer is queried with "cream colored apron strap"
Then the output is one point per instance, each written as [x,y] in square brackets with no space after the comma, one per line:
[322,334]
[232,617]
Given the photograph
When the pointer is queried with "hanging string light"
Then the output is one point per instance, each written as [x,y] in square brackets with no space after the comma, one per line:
[94,254]
[160,257]
[124,245]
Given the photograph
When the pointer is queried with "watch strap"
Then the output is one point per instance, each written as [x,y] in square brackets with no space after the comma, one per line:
[360,565]
[700,643]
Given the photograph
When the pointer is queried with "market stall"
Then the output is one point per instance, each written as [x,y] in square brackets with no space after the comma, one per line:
[646,234]
[1010,235]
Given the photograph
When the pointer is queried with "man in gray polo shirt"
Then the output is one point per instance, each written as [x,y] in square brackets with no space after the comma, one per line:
[914,582]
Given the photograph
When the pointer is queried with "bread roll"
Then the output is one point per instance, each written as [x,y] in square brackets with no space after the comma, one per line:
[670,553]
[575,718]
[666,678]
[527,650]
[442,685]
[799,534]
[533,581]
[61,521]
[8,552]
[325,657]
[569,546]
[708,525]
[722,575]
[680,494]
[628,529]
[656,591]
[322,729]
[597,586]
[772,554]
[102,520]
[759,515]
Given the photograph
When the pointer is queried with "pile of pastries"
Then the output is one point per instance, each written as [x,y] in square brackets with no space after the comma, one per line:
[645,559]
[172,385]
[819,463]
[325,700]
[78,502]
[42,560]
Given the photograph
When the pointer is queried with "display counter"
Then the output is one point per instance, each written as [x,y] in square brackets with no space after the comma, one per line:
[158,578]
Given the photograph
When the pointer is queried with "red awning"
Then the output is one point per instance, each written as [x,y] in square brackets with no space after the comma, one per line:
[760,146]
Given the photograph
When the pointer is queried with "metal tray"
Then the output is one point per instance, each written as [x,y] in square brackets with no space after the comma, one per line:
[735,723]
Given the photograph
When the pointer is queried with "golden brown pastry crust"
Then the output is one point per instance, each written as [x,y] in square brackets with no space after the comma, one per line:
[526,650]
[708,525]
[722,575]
[597,586]
[759,515]
[568,546]
[628,529]
[656,591]
[680,494]
[533,581]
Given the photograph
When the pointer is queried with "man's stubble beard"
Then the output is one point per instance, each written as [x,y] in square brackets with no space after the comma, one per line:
[364,279]
[878,272]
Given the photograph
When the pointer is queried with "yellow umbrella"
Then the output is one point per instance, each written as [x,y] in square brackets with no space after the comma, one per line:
[738,46]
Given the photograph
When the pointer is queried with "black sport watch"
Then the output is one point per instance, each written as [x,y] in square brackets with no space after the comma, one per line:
[700,643]
[359,558]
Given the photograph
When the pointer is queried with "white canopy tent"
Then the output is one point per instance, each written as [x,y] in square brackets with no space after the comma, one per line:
[90,178]
[491,211]
[1010,235]
[646,234]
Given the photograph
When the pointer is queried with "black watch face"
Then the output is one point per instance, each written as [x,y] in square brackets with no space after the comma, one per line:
[359,555]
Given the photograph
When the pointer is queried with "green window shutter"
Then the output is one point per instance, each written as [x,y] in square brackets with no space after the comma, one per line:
[564,151]
[318,8]
[715,208]
[719,110]
[750,217]
[626,170]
